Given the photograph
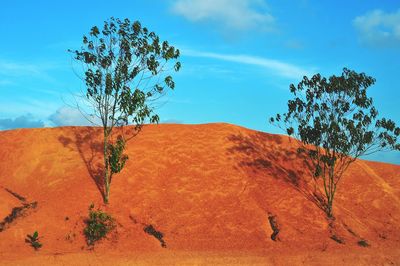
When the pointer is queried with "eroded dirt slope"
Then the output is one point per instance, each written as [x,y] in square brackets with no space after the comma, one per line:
[214,191]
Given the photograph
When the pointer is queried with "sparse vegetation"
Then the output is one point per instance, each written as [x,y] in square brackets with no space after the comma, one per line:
[33,240]
[336,123]
[98,225]
[124,65]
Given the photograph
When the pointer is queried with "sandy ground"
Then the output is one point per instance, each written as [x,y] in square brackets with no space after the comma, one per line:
[210,189]
[209,258]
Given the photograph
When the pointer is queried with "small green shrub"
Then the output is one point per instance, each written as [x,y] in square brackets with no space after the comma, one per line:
[33,240]
[98,225]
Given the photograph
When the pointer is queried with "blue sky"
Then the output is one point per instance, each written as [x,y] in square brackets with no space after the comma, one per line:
[239,56]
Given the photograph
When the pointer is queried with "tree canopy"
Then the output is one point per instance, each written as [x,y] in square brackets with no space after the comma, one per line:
[125,68]
[336,123]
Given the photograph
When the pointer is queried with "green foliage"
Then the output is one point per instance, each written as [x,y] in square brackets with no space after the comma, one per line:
[98,225]
[116,157]
[125,68]
[336,123]
[120,60]
[33,240]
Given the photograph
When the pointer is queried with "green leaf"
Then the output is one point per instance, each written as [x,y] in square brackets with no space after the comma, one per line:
[125,66]
[336,122]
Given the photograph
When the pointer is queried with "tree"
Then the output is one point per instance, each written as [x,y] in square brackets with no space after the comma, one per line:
[124,71]
[336,123]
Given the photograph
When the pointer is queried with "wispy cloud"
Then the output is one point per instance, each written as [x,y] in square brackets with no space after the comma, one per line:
[275,67]
[13,70]
[379,29]
[18,69]
[230,14]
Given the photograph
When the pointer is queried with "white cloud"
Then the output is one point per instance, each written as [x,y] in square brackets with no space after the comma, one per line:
[230,14]
[379,29]
[274,66]
[18,69]
[23,121]
[67,116]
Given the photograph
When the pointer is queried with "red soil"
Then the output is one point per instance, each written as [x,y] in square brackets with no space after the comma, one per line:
[208,188]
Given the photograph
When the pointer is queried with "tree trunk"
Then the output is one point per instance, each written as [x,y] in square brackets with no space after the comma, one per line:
[329,212]
[106,166]
[331,190]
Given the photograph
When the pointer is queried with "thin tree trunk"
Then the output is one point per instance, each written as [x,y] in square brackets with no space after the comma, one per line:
[331,192]
[106,166]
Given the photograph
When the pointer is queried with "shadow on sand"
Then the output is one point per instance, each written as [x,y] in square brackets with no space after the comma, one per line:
[90,151]
[261,152]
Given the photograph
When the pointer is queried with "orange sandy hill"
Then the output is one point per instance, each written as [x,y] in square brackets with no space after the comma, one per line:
[213,190]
